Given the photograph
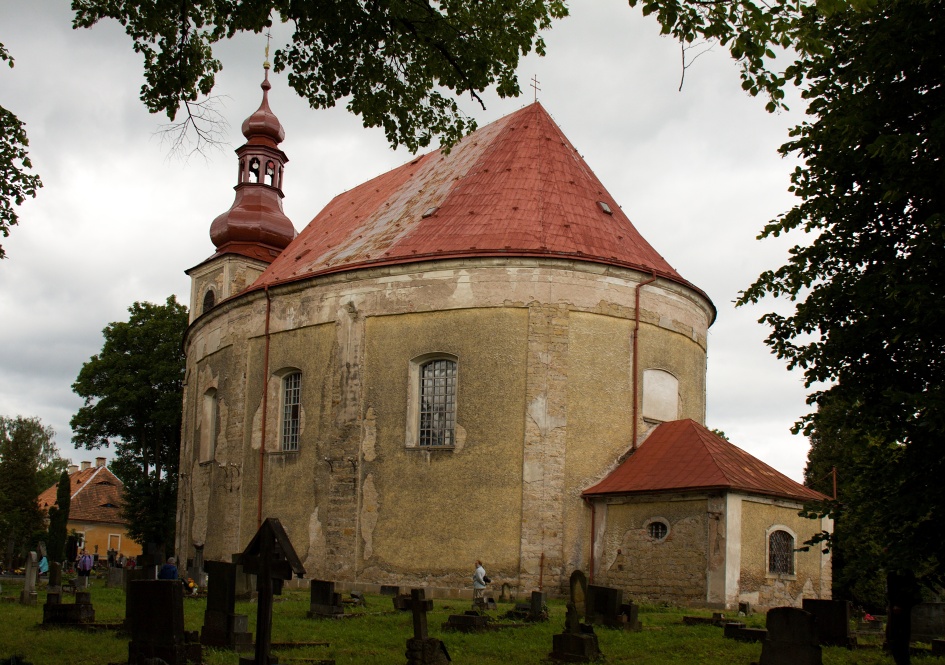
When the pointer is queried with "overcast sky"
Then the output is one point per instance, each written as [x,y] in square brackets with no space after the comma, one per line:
[118,221]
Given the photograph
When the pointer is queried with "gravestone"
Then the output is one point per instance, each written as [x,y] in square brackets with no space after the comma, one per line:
[928,622]
[791,638]
[421,648]
[537,609]
[272,559]
[222,626]
[736,630]
[468,622]
[390,590]
[28,594]
[245,583]
[57,613]
[55,577]
[325,601]
[578,643]
[197,572]
[578,587]
[833,621]
[116,578]
[154,616]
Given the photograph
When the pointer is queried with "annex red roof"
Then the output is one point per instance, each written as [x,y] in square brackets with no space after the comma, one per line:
[684,455]
[96,496]
[516,187]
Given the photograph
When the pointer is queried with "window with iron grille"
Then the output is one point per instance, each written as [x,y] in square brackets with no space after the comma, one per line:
[781,553]
[291,410]
[657,530]
[437,403]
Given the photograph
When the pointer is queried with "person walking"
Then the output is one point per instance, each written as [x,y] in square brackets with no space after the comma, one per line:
[479,585]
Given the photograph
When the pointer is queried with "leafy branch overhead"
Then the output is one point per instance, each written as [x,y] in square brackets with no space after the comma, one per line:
[394,62]
[16,183]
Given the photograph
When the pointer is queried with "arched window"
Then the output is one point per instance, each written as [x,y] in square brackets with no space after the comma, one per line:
[780,553]
[291,410]
[437,402]
[209,300]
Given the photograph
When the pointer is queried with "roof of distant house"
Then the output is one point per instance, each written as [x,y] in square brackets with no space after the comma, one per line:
[96,496]
[683,455]
[514,188]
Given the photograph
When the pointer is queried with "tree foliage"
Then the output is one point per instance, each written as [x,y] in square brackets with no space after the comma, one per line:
[132,393]
[393,61]
[29,463]
[16,183]
[58,520]
[867,328]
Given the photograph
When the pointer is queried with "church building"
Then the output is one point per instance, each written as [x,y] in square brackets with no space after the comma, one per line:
[473,356]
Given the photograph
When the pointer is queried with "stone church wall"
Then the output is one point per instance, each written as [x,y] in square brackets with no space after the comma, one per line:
[544,411]
[672,569]
[763,589]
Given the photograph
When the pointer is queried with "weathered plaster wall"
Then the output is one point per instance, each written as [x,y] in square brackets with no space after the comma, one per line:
[544,410]
[756,584]
[670,570]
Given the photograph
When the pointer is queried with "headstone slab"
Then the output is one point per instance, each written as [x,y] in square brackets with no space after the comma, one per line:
[155,619]
[28,594]
[578,587]
[928,622]
[602,606]
[390,590]
[536,607]
[222,627]
[832,618]
[791,639]
[470,622]
[325,601]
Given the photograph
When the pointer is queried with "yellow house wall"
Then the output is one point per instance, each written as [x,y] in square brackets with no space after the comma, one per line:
[756,584]
[670,570]
[97,536]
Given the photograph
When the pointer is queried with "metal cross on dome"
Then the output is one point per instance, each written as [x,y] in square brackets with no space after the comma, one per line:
[534,85]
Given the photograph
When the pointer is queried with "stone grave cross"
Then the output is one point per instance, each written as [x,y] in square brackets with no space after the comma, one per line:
[419,606]
[272,559]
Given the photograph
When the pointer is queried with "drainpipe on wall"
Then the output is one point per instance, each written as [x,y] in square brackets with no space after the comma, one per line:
[636,332]
[265,404]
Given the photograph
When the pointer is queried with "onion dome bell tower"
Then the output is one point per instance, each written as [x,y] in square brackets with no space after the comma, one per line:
[255,230]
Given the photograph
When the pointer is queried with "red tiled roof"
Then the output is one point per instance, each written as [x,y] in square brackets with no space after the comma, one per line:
[684,455]
[516,187]
[96,496]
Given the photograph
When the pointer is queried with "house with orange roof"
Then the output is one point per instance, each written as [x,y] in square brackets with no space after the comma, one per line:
[95,509]
[447,363]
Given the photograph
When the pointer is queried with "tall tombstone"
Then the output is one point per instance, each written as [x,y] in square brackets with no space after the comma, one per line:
[28,594]
[55,577]
[578,643]
[272,559]
[578,588]
[325,601]
[197,572]
[791,638]
[222,626]
[536,607]
[154,611]
[833,621]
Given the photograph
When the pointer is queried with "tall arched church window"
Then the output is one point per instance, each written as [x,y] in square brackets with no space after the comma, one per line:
[660,395]
[437,402]
[780,553]
[291,410]
[209,300]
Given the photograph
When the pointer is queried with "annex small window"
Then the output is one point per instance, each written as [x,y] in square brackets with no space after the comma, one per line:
[438,403]
[780,553]
[291,410]
[657,529]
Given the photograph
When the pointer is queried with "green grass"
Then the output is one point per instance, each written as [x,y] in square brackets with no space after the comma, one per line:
[378,637]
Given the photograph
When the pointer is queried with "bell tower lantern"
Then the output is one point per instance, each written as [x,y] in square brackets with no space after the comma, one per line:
[255,230]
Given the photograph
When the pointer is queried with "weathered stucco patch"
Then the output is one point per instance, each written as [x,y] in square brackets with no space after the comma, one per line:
[369,437]
[369,507]
[315,558]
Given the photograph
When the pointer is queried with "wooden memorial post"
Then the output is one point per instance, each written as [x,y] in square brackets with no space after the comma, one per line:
[272,559]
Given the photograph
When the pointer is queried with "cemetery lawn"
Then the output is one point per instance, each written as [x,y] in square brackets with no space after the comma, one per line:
[378,635]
